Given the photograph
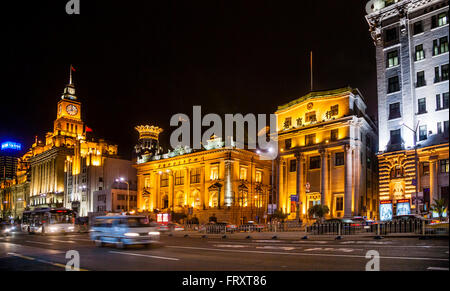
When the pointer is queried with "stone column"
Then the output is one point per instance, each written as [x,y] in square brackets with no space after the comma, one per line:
[204,195]
[434,191]
[348,196]
[324,176]
[299,183]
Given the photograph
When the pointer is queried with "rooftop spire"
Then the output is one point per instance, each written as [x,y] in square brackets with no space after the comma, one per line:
[69,91]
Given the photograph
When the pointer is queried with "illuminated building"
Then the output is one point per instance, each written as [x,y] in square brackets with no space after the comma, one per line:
[15,192]
[69,165]
[229,183]
[411,44]
[327,147]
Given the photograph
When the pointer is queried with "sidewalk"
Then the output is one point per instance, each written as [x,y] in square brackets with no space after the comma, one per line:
[294,235]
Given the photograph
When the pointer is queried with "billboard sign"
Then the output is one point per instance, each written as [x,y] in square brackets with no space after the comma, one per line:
[403,207]
[386,210]
[10,145]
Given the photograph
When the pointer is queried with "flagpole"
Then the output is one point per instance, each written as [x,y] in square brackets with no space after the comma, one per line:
[311,69]
[70,74]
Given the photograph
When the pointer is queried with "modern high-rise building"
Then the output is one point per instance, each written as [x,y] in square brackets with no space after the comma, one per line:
[411,43]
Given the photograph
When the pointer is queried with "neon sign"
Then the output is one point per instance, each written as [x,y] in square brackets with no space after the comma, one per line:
[9,145]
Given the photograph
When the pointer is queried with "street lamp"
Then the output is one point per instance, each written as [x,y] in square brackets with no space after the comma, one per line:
[271,151]
[416,165]
[122,180]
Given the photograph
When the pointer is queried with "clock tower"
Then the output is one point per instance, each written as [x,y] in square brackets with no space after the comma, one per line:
[68,118]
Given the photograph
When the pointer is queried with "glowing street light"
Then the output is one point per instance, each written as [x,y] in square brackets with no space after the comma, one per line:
[122,180]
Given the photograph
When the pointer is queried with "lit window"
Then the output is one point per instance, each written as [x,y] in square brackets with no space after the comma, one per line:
[392,58]
[214,173]
[243,174]
[420,53]
[258,177]
[444,166]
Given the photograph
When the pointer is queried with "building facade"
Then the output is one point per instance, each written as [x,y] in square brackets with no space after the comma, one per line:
[229,183]
[69,165]
[411,43]
[327,147]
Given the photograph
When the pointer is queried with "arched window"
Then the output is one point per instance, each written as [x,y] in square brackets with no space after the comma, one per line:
[194,200]
[213,199]
[165,201]
[179,199]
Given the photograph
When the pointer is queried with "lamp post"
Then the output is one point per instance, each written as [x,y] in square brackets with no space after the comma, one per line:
[416,165]
[270,151]
[122,180]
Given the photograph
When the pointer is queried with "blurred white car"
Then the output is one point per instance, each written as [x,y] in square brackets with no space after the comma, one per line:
[123,230]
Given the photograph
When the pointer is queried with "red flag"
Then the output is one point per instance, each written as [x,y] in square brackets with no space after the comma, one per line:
[72,68]
[88,129]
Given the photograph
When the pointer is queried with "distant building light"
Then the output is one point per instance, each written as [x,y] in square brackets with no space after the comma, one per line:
[9,145]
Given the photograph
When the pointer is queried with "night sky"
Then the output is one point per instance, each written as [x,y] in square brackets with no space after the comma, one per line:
[140,63]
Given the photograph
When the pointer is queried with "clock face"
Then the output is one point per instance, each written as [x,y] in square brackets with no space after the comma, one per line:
[71,109]
[71,91]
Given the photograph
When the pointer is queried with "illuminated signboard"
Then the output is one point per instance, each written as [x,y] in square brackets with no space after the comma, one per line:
[435,214]
[162,217]
[9,145]
[403,207]
[386,210]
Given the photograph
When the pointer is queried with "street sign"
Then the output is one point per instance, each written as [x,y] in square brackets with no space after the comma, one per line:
[271,208]
[294,198]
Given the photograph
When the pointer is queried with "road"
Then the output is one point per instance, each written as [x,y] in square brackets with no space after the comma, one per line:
[176,253]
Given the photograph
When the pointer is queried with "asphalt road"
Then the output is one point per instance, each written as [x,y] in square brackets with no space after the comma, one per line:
[34,252]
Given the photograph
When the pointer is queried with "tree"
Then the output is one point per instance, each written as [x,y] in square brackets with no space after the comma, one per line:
[279,214]
[178,216]
[318,210]
[439,206]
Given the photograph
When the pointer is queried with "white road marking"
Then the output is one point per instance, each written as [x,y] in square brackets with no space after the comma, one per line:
[304,254]
[39,242]
[63,241]
[142,255]
[230,246]
[277,248]
[310,242]
[330,250]
[437,269]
